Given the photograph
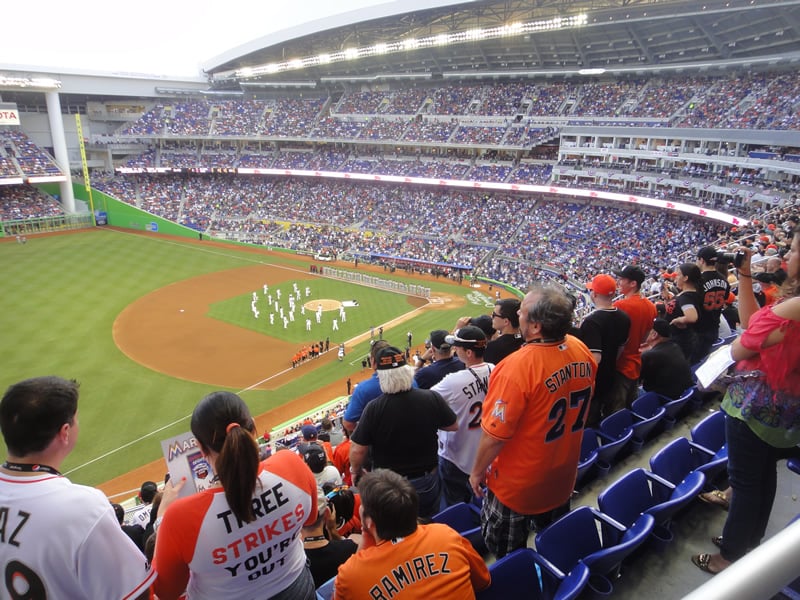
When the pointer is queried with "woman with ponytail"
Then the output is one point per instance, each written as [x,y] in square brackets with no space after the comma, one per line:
[240,538]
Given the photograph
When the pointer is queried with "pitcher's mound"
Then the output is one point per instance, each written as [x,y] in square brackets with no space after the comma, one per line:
[325,303]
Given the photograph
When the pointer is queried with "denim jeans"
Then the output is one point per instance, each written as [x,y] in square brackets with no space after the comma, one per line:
[753,475]
[429,490]
[301,588]
[455,483]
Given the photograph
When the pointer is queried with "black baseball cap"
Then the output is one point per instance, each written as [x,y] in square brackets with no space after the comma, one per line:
[661,327]
[390,358]
[631,272]
[708,254]
[438,339]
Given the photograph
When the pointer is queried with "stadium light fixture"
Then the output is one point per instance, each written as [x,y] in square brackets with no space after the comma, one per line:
[411,44]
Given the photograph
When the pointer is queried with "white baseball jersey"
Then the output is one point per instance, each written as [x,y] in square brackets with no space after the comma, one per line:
[139,515]
[464,392]
[61,540]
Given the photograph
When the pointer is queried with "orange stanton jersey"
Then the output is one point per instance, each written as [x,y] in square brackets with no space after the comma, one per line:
[537,403]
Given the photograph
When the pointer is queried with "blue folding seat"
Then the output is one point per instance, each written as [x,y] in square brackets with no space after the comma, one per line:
[610,445]
[680,457]
[710,433]
[525,574]
[325,591]
[642,492]
[465,518]
[588,457]
[674,409]
[649,413]
[575,540]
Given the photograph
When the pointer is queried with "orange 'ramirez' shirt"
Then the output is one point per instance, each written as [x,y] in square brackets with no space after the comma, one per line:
[434,562]
[537,403]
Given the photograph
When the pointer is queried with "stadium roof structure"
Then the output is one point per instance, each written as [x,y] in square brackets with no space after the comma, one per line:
[516,38]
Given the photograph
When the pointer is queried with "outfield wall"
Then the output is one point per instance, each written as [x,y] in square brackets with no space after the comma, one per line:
[124,215]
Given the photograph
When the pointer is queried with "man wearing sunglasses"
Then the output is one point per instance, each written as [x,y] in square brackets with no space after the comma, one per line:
[505,321]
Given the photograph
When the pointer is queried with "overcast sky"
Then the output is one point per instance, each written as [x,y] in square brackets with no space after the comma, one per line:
[164,37]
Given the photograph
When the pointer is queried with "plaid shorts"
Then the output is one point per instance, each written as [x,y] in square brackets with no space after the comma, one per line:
[503,529]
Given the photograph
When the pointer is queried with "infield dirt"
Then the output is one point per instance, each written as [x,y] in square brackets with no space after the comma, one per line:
[188,343]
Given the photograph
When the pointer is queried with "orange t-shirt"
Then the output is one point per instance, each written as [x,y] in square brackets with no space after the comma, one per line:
[537,403]
[341,460]
[642,313]
[434,562]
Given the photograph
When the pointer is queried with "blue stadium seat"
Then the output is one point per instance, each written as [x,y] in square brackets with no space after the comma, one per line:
[588,458]
[614,441]
[466,520]
[524,573]
[325,591]
[642,492]
[710,433]
[674,409]
[575,539]
[648,409]
[680,457]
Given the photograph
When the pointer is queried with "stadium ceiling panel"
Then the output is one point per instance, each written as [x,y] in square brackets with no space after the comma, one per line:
[616,34]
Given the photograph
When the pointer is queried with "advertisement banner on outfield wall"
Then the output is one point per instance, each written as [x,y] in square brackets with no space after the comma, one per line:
[9,116]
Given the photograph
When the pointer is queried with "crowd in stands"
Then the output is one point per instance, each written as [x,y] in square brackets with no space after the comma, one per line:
[454,227]
[752,100]
[26,202]
[30,159]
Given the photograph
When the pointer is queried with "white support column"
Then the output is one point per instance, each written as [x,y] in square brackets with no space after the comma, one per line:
[60,148]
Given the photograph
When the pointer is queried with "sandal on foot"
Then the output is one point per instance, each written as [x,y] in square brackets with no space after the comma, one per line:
[717,541]
[715,497]
[703,562]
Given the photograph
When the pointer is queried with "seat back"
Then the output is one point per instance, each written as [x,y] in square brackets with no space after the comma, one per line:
[516,574]
[646,425]
[674,461]
[648,404]
[676,497]
[461,517]
[588,455]
[616,425]
[465,518]
[608,560]
[710,432]
[678,458]
[627,498]
[567,540]
[611,448]
[325,591]
[673,408]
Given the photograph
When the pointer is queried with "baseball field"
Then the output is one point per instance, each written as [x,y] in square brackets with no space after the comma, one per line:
[149,324]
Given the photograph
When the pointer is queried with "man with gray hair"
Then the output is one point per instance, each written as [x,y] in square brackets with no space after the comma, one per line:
[400,427]
[532,424]
[365,391]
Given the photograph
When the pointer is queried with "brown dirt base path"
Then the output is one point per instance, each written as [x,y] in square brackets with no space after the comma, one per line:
[167,331]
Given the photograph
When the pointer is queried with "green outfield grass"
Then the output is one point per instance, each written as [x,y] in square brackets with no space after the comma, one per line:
[61,295]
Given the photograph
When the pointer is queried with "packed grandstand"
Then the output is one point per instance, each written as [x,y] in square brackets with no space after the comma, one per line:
[196,151]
